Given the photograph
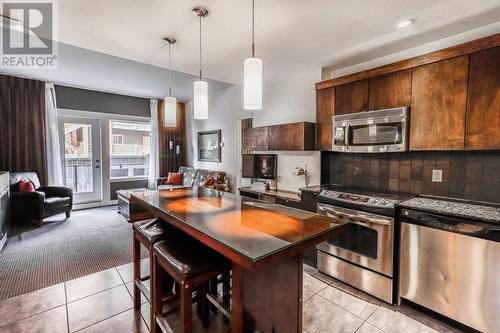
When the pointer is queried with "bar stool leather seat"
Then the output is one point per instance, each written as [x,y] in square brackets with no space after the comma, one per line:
[152,230]
[147,232]
[188,258]
[192,265]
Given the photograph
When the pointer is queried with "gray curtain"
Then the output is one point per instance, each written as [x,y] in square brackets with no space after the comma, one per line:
[22,126]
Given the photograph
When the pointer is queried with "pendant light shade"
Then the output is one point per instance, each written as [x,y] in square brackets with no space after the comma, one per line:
[170,103]
[170,112]
[252,84]
[200,100]
[200,87]
[252,75]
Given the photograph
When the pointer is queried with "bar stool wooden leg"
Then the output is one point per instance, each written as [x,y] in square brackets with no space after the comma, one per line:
[136,259]
[156,297]
[199,297]
[226,293]
[186,308]
[205,304]
[213,292]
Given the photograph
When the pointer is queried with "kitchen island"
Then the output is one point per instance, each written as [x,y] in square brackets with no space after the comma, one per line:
[264,241]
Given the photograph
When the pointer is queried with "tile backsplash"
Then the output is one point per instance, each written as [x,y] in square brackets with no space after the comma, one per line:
[467,175]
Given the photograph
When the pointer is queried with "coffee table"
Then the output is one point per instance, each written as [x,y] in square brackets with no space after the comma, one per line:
[124,202]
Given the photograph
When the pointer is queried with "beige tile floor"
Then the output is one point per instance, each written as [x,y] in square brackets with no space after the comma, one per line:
[102,302]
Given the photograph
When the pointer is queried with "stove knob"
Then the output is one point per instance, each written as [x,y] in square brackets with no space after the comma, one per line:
[385,202]
[375,201]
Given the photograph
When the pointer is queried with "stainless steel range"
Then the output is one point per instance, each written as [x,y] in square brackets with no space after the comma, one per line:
[362,256]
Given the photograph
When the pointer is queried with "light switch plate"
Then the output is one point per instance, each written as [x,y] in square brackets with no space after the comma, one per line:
[437,176]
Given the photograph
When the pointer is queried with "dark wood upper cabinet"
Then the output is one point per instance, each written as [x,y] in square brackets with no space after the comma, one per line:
[483,100]
[390,90]
[351,97]
[256,138]
[453,94]
[292,137]
[438,105]
[325,100]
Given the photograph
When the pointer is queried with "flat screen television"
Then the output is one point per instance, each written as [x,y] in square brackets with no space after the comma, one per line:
[263,166]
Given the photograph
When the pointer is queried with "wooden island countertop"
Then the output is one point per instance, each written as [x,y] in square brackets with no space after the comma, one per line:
[264,241]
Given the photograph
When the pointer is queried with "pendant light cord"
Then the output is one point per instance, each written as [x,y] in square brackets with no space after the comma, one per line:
[253,28]
[170,69]
[200,48]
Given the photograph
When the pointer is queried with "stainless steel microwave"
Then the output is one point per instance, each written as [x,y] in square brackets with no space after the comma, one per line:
[371,132]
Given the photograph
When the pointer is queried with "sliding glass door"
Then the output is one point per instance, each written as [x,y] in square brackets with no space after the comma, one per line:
[81,150]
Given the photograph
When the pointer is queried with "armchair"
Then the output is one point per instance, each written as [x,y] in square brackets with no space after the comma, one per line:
[43,202]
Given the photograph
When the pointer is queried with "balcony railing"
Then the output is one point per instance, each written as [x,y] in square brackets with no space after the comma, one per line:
[79,174]
[129,166]
[79,171]
[126,149]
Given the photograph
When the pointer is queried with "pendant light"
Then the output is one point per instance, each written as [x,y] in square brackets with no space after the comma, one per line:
[252,75]
[200,88]
[170,108]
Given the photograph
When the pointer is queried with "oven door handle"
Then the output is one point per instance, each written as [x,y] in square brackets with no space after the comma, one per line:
[343,213]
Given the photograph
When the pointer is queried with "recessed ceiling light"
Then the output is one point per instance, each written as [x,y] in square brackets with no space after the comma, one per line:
[405,23]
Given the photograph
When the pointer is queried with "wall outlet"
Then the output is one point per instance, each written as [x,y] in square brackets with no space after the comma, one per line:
[437,176]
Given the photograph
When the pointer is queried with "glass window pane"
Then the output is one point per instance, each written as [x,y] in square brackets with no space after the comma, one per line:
[130,149]
[78,157]
[358,239]
[379,134]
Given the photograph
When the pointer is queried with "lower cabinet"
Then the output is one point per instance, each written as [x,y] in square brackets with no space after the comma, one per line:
[271,198]
[247,194]
[289,203]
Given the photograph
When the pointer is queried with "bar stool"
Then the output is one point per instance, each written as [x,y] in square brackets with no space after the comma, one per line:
[191,264]
[225,280]
[147,233]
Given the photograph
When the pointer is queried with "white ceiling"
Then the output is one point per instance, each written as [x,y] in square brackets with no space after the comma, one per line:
[116,45]
[292,35]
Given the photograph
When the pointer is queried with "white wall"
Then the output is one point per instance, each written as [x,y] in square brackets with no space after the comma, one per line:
[291,99]
[225,110]
[484,31]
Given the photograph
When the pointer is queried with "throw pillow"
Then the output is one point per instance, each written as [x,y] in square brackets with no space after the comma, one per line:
[209,182]
[26,186]
[174,178]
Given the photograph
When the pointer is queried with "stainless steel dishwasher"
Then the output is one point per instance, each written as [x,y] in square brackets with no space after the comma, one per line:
[451,265]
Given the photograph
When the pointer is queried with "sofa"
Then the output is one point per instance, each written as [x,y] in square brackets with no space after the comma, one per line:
[192,177]
[43,202]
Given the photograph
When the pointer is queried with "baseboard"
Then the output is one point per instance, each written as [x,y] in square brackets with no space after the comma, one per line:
[94,205]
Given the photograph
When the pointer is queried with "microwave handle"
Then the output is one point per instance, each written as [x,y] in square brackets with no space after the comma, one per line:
[347,134]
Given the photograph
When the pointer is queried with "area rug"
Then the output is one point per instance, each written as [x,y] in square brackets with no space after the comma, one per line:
[91,240]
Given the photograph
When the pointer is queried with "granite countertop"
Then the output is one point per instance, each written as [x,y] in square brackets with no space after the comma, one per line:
[470,210]
[282,194]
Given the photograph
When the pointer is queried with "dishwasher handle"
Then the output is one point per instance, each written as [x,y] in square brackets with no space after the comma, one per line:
[452,224]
